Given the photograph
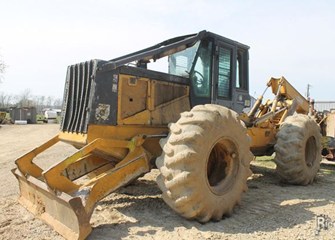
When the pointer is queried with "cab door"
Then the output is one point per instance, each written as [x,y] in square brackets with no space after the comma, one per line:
[201,74]
[224,75]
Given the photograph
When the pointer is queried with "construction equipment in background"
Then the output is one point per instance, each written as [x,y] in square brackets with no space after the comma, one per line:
[326,121]
[328,140]
[126,119]
[2,117]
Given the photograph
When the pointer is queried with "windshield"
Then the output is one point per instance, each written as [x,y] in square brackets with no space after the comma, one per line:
[181,63]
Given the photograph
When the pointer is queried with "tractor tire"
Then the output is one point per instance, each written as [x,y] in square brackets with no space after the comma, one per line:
[205,163]
[298,150]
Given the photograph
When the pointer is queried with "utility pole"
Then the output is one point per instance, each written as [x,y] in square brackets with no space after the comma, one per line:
[308,87]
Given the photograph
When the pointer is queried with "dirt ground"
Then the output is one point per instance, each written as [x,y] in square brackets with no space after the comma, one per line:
[269,210]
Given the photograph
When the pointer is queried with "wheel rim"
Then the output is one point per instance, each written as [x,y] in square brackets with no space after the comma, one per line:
[222,166]
[310,151]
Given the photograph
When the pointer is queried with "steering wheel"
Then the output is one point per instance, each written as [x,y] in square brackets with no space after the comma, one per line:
[199,81]
[199,73]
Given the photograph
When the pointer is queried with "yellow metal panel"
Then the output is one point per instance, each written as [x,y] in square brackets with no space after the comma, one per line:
[164,92]
[161,115]
[133,93]
[261,137]
[78,138]
[289,92]
[122,132]
[63,212]
[144,101]
[330,124]
[133,166]
[53,177]
[170,112]
[142,118]
[127,132]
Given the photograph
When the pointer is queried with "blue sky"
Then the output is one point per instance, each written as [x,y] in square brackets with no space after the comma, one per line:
[39,39]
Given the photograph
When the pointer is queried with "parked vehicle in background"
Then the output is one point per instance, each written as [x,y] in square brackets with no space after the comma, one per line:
[50,115]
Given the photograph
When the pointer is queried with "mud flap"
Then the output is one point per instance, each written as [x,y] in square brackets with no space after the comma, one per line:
[66,214]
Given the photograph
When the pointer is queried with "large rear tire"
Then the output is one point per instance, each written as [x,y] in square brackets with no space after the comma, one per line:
[298,150]
[205,163]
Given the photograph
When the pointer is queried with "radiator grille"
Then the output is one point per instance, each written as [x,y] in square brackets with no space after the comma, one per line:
[76,97]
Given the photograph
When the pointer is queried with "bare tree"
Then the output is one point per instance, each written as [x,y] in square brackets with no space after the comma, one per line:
[3,67]
[5,100]
[25,99]
[40,103]
[49,101]
[2,99]
[58,102]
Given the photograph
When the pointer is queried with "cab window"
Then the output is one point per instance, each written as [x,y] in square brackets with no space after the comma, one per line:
[201,72]
[241,70]
[224,72]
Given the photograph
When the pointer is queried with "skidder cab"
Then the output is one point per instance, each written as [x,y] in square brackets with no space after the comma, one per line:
[125,119]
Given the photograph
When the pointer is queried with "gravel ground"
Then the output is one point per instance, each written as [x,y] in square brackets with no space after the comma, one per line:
[269,210]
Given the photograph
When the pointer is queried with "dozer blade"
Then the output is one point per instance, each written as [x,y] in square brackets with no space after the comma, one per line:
[53,195]
[66,214]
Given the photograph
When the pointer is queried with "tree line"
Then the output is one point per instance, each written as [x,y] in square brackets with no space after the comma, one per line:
[3,67]
[27,99]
